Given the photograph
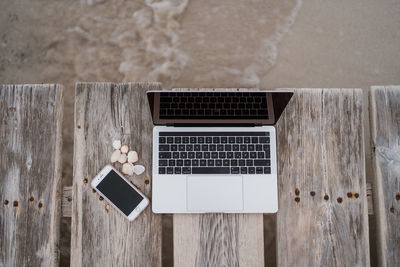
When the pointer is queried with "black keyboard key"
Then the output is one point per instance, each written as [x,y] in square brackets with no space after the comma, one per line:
[249,162]
[268,154]
[207,170]
[179,162]
[238,155]
[185,140]
[253,155]
[164,147]
[218,162]
[225,162]
[174,148]
[197,148]
[242,162]
[170,140]
[252,170]
[260,155]
[208,140]
[187,162]
[246,140]
[214,155]
[216,140]
[259,147]
[161,170]
[254,139]
[266,147]
[193,140]
[207,155]
[234,162]
[177,170]
[224,139]
[191,155]
[186,170]
[189,147]
[162,162]
[236,148]
[235,170]
[262,162]
[200,140]
[195,162]
[183,155]
[162,140]
[245,155]
[181,147]
[171,162]
[239,140]
[243,147]
[228,147]
[243,170]
[204,147]
[199,155]
[264,139]
[231,140]
[259,170]
[175,155]
[229,155]
[164,155]
[210,162]
[267,170]
[178,140]
[222,155]
[170,170]
[220,147]
[213,147]
[250,147]
[203,162]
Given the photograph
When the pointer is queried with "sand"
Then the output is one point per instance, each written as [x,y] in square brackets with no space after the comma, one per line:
[182,43]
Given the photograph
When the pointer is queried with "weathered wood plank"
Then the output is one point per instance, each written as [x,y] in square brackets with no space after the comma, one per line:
[66,202]
[100,235]
[323,216]
[30,174]
[218,239]
[385,133]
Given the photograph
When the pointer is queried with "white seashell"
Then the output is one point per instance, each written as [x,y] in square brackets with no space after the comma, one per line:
[127,169]
[124,149]
[138,169]
[115,156]
[117,144]
[122,158]
[133,156]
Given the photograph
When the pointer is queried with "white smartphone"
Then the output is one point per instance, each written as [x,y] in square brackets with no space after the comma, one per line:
[119,192]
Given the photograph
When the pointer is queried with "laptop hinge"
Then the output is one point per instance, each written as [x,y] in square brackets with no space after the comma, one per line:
[213,125]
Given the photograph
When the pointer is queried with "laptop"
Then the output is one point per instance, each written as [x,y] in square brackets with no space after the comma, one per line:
[214,150]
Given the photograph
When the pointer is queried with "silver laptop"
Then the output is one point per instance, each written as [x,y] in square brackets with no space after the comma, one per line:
[215,150]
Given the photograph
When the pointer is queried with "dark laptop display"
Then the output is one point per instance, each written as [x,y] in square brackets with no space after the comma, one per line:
[222,107]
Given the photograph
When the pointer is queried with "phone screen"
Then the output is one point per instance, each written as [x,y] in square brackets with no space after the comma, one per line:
[119,192]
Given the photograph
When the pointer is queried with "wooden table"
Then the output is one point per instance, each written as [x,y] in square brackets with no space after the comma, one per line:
[323,212]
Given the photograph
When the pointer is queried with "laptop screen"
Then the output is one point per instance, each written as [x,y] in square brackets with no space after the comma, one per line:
[214,107]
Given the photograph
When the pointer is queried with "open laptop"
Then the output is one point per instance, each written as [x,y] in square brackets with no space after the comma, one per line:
[214,150]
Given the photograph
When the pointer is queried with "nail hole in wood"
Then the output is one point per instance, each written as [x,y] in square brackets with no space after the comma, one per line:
[69,199]
[101,198]
[392,209]
[146,181]
[326,197]
[312,193]
[297,192]
[78,126]
[94,191]
[398,196]
[297,199]
[15,203]
[339,200]
[40,205]
[356,195]
[85,181]
[349,194]
[6,202]
[31,199]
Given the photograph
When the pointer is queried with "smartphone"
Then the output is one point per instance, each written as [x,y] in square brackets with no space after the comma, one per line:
[119,192]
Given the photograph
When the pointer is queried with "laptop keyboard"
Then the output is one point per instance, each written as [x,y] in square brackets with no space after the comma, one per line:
[214,153]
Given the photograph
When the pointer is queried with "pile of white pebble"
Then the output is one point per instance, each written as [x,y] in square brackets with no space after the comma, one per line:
[126,158]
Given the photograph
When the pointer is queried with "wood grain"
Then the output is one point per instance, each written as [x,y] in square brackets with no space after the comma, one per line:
[323,215]
[385,133]
[100,235]
[30,174]
[66,202]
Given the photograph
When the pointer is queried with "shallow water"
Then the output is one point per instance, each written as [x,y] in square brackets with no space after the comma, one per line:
[182,43]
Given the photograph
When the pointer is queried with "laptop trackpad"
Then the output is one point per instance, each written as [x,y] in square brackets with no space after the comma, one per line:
[214,193]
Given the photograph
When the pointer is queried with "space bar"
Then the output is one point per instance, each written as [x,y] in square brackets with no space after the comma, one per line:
[210,170]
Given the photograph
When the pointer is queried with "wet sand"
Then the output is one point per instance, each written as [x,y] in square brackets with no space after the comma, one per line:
[251,43]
